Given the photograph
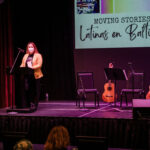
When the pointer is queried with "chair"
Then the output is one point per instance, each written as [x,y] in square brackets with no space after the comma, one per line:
[134,86]
[85,85]
[92,142]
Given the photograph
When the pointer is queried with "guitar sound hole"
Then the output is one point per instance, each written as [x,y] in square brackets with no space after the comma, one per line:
[109,88]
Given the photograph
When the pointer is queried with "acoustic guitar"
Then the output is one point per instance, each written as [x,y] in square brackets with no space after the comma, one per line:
[148,94]
[109,90]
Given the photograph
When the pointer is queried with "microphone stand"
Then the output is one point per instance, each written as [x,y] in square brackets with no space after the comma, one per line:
[13,66]
[11,72]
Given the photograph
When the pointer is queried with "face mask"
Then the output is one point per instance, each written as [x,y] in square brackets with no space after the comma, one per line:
[31,49]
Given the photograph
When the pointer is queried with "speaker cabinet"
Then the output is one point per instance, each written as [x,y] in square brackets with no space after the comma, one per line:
[141,108]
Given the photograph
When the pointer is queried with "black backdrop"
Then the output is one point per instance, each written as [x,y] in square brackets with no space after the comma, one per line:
[50,25]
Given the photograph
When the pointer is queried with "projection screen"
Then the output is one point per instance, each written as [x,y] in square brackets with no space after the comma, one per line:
[112,23]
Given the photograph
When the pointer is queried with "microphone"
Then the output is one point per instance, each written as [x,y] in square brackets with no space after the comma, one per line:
[21,50]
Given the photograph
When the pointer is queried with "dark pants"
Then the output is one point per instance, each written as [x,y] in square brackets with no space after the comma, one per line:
[37,91]
[32,88]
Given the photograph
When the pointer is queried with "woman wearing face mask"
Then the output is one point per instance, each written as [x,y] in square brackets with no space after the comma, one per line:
[33,61]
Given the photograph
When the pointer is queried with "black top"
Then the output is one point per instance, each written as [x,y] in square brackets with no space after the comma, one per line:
[29,59]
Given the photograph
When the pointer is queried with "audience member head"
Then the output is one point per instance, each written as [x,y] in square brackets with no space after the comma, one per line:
[23,145]
[58,139]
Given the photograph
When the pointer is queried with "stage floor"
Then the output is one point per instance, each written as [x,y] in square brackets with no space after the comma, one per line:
[108,120]
[69,109]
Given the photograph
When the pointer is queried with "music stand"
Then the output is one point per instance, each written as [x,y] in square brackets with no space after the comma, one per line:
[115,74]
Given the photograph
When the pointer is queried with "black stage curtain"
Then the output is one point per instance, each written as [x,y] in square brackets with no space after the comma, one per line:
[50,26]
